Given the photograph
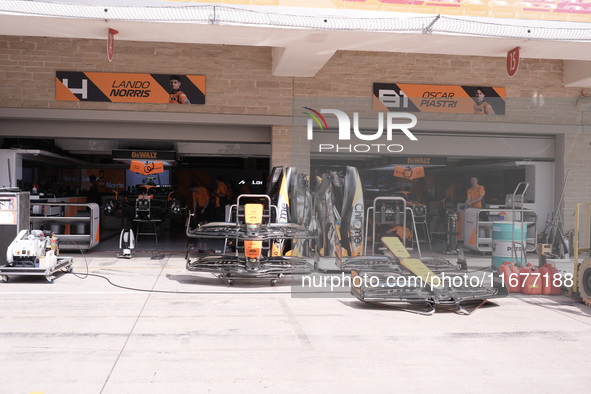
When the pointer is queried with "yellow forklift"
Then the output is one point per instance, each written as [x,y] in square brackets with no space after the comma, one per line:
[582,271]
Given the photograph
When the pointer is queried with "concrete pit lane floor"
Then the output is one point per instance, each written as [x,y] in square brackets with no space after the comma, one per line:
[186,332]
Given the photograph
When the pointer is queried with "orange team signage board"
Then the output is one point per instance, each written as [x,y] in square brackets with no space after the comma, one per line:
[409,172]
[128,87]
[454,99]
[146,168]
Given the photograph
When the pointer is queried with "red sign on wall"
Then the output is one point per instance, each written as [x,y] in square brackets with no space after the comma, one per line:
[513,61]
[111,43]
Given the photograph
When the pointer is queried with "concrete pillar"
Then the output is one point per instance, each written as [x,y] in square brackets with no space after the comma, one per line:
[577,159]
[290,148]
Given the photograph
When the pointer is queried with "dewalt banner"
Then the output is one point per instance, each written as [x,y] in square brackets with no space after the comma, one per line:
[453,99]
[129,88]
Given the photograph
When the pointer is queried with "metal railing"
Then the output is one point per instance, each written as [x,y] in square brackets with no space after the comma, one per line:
[383,220]
[69,241]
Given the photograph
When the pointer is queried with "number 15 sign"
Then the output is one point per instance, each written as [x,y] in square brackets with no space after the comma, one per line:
[513,61]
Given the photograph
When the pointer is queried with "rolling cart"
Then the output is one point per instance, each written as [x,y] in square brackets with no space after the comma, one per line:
[32,253]
[63,264]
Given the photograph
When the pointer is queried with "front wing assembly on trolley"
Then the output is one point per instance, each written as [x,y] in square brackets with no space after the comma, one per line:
[232,266]
[463,291]
[223,230]
[424,283]
[260,248]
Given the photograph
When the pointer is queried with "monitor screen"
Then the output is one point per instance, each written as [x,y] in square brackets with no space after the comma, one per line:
[134,179]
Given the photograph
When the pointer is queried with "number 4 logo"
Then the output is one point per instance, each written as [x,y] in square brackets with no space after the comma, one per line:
[513,61]
[83,90]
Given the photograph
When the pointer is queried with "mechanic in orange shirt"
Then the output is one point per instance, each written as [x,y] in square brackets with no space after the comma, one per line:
[201,199]
[221,194]
[176,96]
[475,194]
[453,194]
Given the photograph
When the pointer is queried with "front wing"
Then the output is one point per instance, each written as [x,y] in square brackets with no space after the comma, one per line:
[457,288]
[392,264]
[236,266]
[222,230]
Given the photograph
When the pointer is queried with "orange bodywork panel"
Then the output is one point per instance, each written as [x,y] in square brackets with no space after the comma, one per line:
[253,213]
[252,249]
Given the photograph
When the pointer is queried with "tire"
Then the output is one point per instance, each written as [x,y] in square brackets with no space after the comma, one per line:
[584,281]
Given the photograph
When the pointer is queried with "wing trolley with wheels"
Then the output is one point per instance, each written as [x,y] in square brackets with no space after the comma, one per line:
[260,244]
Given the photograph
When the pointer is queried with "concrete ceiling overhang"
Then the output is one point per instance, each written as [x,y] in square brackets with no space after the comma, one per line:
[302,52]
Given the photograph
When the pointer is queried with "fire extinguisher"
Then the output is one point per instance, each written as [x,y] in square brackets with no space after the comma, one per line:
[54,244]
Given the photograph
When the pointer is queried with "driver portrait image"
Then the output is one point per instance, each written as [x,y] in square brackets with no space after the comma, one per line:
[176,95]
[481,106]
